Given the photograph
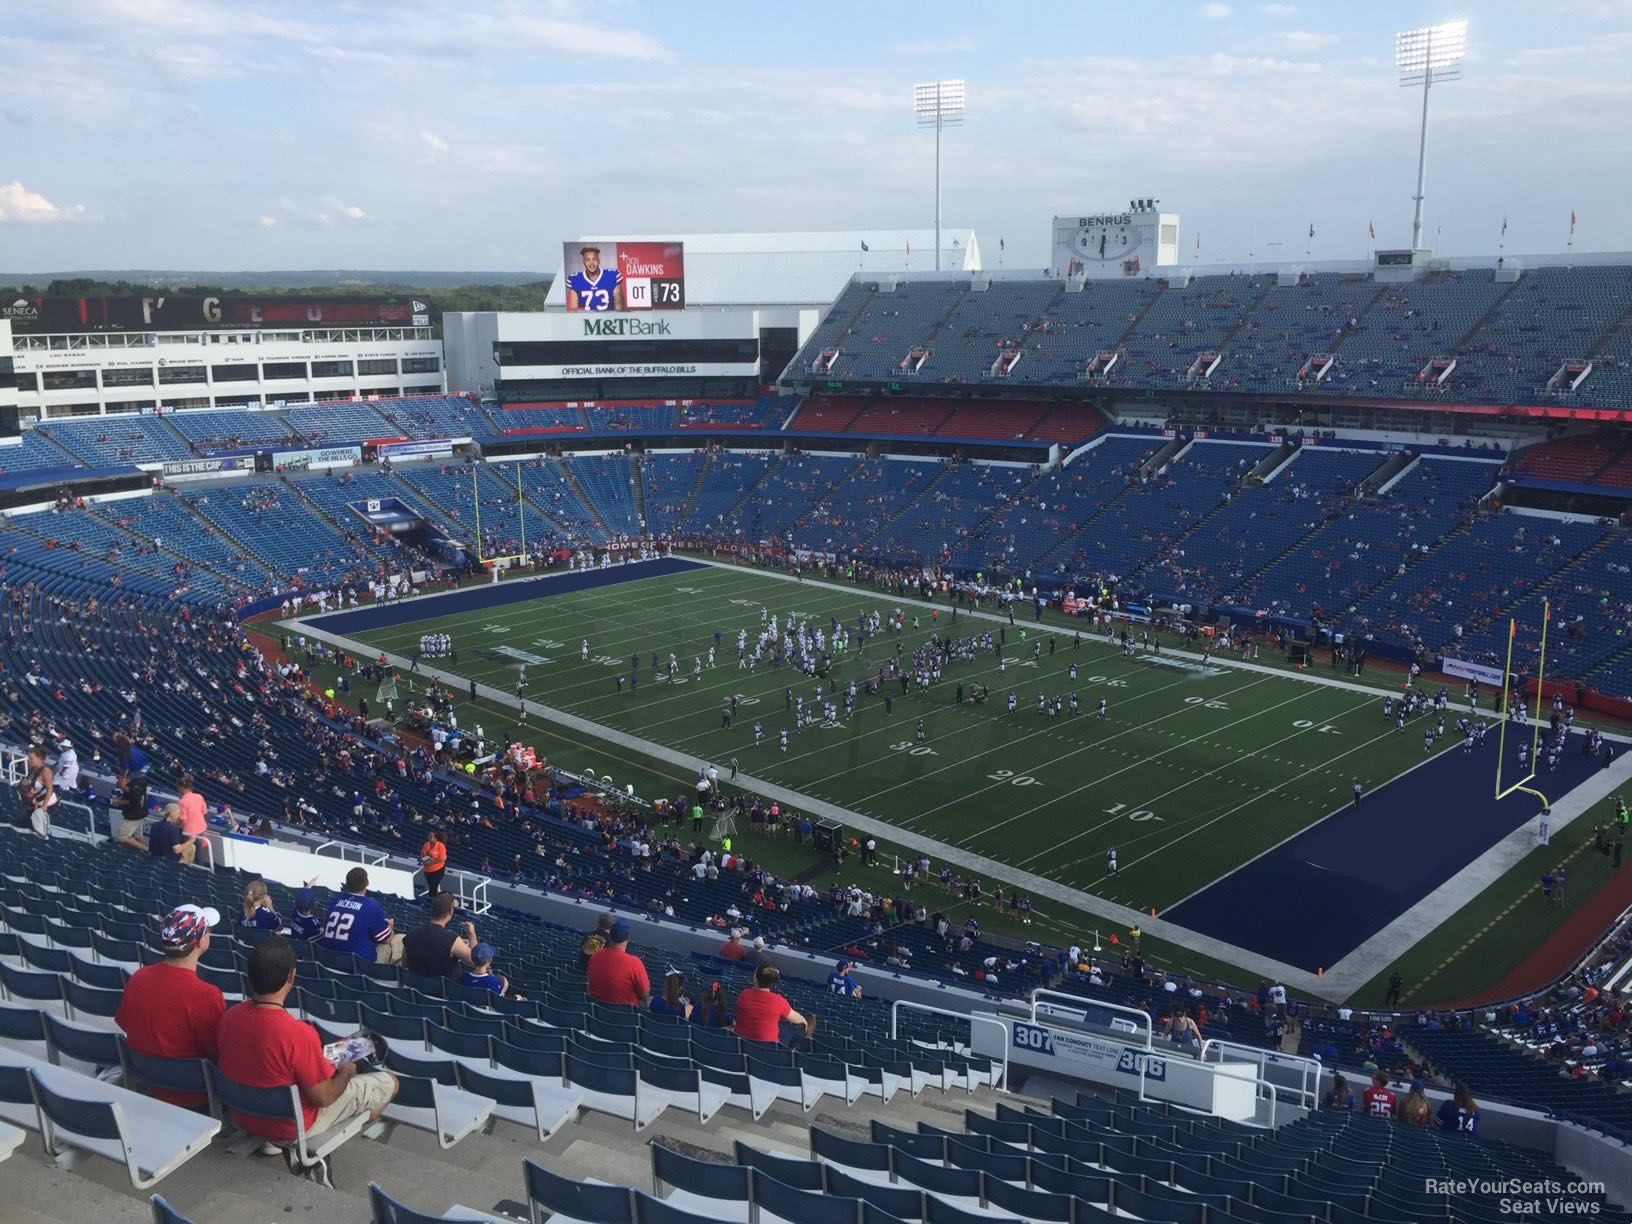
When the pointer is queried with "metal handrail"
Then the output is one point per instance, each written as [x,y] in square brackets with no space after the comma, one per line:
[340,853]
[1308,1097]
[1263,1089]
[1082,1003]
[476,900]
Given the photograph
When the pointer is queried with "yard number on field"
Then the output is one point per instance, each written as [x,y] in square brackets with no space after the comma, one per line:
[1012,778]
[1206,703]
[1140,814]
[1304,724]
[912,749]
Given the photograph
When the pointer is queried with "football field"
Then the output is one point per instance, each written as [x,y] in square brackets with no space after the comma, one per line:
[1194,772]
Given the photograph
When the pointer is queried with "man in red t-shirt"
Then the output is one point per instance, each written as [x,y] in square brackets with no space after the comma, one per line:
[614,975]
[761,1011]
[1377,1101]
[263,1046]
[168,1011]
[732,949]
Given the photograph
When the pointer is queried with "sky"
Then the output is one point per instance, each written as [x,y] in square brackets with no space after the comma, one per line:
[240,134]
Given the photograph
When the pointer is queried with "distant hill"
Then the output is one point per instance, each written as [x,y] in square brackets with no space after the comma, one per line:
[355,280]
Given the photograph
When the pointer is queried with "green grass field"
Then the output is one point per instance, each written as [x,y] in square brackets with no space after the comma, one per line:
[1192,771]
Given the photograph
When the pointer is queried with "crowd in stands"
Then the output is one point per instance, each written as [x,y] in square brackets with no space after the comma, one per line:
[1508,335]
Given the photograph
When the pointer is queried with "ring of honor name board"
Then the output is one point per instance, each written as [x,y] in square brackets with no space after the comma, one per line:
[615,276]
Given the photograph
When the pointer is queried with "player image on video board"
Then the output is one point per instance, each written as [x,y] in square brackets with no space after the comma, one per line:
[594,285]
[610,276]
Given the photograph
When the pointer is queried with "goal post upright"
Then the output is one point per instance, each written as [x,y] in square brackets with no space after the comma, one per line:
[521,511]
[1507,696]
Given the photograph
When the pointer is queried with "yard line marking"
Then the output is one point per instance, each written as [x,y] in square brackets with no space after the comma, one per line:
[1180,822]
[1270,791]
[1142,760]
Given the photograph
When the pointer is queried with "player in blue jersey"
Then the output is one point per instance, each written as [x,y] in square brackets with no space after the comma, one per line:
[358,924]
[595,288]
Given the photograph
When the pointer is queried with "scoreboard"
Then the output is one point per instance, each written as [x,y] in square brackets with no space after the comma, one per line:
[1134,241]
[619,276]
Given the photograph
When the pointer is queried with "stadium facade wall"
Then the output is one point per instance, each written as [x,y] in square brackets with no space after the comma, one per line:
[111,373]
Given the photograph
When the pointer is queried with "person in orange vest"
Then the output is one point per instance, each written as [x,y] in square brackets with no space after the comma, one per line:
[433,857]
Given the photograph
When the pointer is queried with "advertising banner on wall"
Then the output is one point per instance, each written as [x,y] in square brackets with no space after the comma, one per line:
[1464,670]
[184,468]
[321,457]
[417,450]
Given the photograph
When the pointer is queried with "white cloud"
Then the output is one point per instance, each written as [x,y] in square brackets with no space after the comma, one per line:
[1302,40]
[1277,10]
[24,207]
[305,216]
[346,212]
[433,143]
[1215,9]
[267,221]
[323,215]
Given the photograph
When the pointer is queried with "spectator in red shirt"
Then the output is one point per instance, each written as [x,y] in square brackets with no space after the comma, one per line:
[263,1046]
[614,975]
[761,1011]
[732,949]
[167,1010]
[1378,1101]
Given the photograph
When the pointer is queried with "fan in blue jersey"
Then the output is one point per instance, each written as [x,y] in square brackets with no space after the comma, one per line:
[841,983]
[358,924]
[595,288]
[303,924]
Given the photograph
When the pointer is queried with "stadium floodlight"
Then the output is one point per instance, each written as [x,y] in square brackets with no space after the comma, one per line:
[1426,56]
[938,104]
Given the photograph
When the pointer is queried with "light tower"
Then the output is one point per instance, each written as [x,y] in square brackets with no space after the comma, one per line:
[938,104]
[1426,56]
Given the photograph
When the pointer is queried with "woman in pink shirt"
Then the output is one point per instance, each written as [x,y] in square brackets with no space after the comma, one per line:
[191,804]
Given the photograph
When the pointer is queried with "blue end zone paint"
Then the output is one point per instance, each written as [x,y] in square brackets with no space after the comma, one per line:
[480,598]
[1313,900]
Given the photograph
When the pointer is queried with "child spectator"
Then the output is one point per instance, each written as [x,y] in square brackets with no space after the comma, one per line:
[673,1001]
[710,1010]
[481,976]
[304,923]
[258,911]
